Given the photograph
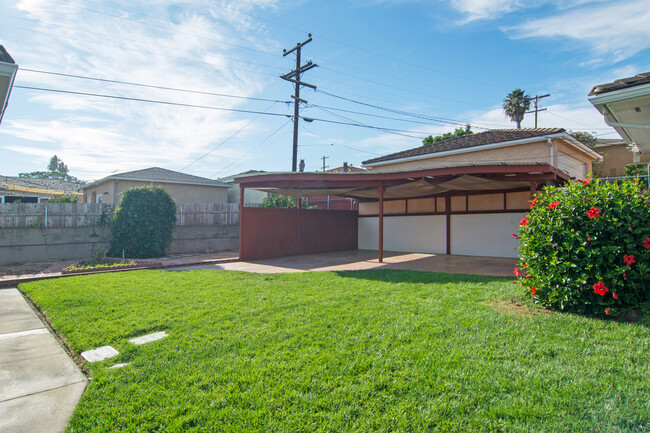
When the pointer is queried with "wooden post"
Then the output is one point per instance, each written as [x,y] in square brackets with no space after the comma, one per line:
[533,188]
[448,225]
[381,223]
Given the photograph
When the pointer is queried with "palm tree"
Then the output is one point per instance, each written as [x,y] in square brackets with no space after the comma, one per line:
[515,105]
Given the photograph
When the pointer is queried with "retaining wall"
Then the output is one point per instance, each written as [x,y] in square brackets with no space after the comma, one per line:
[34,245]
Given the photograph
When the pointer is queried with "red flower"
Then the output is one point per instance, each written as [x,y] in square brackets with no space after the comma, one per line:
[600,289]
[553,205]
[516,272]
[629,260]
[524,221]
[516,236]
[586,200]
[585,181]
[525,264]
[607,311]
[614,295]
[589,239]
[646,244]
[593,212]
[533,202]
[532,291]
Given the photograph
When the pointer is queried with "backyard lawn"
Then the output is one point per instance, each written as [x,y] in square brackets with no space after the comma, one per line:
[343,352]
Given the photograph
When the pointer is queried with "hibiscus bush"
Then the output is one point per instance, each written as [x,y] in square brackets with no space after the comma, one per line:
[585,248]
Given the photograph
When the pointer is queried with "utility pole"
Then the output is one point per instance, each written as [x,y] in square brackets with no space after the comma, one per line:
[536,110]
[325,166]
[294,77]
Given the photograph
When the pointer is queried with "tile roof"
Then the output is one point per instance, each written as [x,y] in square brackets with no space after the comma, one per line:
[623,83]
[157,174]
[5,57]
[492,136]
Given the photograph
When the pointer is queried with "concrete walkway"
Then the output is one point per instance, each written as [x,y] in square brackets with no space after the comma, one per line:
[363,259]
[40,385]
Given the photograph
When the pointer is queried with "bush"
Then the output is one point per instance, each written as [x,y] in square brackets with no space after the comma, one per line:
[586,248]
[284,201]
[143,223]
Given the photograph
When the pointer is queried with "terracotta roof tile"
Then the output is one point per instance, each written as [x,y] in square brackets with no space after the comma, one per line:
[471,140]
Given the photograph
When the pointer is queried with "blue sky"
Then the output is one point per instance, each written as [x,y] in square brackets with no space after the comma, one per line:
[429,65]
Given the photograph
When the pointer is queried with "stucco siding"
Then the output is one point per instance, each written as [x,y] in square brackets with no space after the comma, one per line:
[421,234]
[182,193]
[487,235]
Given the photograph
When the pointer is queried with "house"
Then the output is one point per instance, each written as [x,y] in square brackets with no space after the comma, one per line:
[28,190]
[616,155]
[552,146]
[8,70]
[252,196]
[184,188]
[625,106]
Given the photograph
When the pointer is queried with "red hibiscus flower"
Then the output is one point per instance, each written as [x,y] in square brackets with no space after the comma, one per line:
[607,311]
[533,202]
[516,272]
[524,221]
[629,260]
[553,205]
[593,212]
[589,239]
[646,244]
[600,289]
[516,236]
[532,291]
[585,181]
[614,295]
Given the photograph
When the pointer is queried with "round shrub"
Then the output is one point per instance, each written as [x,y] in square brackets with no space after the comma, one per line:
[143,223]
[586,248]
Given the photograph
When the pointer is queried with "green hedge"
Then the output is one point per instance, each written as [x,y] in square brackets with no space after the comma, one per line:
[586,248]
[143,223]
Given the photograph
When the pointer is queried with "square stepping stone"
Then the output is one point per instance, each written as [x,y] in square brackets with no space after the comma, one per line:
[99,354]
[148,338]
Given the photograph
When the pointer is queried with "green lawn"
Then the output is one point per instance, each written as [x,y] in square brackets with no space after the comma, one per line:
[343,352]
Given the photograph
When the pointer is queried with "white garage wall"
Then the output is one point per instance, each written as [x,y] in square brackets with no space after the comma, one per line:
[417,234]
[487,235]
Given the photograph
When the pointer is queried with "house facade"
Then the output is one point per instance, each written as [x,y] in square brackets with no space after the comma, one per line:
[27,190]
[552,146]
[184,188]
[616,155]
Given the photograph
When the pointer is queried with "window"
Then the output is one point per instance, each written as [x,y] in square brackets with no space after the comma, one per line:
[99,198]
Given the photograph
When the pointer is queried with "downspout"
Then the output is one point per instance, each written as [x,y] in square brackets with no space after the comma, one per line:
[552,152]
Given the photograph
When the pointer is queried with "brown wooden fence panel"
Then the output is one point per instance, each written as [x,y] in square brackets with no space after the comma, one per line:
[271,232]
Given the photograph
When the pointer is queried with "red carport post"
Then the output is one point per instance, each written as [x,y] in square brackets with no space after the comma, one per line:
[448,222]
[533,188]
[381,222]
[241,213]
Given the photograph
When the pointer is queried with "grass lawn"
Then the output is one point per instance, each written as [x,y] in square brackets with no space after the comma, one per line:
[343,352]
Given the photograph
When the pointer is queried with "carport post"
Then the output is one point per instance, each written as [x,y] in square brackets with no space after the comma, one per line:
[533,188]
[448,224]
[381,223]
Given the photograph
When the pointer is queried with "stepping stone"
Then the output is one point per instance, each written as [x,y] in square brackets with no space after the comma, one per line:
[124,364]
[99,354]
[148,338]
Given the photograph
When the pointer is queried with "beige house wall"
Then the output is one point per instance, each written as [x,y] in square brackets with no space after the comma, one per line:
[562,156]
[616,158]
[111,191]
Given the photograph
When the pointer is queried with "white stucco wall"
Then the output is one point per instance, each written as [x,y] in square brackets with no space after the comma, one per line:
[418,234]
[488,235]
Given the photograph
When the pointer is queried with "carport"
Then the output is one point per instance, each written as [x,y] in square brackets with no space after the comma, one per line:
[420,201]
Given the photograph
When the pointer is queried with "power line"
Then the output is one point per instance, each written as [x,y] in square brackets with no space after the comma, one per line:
[226,140]
[152,101]
[128,83]
[356,123]
[339,144]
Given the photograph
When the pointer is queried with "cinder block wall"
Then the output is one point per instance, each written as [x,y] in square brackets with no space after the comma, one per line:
[35,245]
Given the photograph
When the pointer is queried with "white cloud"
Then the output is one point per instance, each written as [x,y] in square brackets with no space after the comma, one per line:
[475,10]
[614,31]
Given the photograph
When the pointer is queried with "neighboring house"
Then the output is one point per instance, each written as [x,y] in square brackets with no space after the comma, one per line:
[616,155]
[335,202]
[184,188]
[251,196]
[28,190]
[8,70]
[552,146]
[625,106]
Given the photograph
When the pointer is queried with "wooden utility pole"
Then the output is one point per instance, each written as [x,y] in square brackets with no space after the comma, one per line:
[294,77]
[324,158]
[535,110]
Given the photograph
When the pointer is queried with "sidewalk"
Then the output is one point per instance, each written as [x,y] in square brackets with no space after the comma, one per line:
[41,385]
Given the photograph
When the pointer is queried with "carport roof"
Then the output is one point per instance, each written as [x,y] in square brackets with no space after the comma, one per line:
[407,183]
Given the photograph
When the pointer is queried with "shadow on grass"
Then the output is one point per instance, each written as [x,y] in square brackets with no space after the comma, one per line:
[424,277]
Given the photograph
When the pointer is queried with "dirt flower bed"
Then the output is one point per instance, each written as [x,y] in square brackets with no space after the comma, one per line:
[107,264]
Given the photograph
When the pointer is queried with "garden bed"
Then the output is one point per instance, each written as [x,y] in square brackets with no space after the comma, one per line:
[108,264]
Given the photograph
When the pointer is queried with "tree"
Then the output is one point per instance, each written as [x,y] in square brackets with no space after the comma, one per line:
[457,133]
[515,105]
[57,169]
[284,201]
[584,137]
[143,223]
